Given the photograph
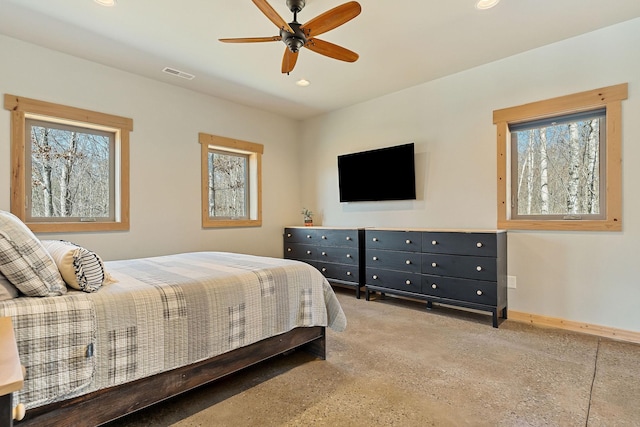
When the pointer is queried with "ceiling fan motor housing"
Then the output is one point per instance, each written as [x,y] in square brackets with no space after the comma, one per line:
[296,40]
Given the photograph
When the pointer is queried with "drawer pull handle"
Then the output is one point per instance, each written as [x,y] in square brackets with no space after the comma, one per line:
[375,239]
[308,236]
[324,237]
[479,292]
[479,245]
[348,255]
[348,238]
[348,273]
[288,234]
[375,258]
[408,282]
[433,242]
[289,249]
[434,286]
[479,268]
[407,241]
[408,262]
[308,252]
[433,264]
[324,254]
[375,277]
[324,269]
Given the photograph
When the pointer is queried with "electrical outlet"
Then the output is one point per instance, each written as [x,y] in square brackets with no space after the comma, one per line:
[511,282]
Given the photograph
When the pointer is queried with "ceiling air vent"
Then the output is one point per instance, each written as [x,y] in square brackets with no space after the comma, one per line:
[178,73]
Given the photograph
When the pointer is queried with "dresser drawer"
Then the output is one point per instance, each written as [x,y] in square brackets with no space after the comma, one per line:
[404,281]
[473,291]
[408,241]
[301,235]
[394,260]
[336,254]
[300,251]
[348,273]
[332,237]
[477,244]
[322,236]
[469,267]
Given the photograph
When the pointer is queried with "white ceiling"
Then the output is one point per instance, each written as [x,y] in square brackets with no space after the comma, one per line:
[400,43]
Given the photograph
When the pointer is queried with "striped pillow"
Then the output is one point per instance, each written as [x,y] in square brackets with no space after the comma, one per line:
[80,268]
[25,262]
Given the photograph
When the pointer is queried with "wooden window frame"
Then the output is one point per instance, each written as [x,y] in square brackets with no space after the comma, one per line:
[254,151]
[22,108]
[610,98]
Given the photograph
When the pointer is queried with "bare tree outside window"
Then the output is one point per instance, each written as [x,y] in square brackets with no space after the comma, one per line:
[71,172]
[559,166]
[228,184]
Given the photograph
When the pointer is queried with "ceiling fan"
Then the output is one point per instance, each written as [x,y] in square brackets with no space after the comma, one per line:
[296,35]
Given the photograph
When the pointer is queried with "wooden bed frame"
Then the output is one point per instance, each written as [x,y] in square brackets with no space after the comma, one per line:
[109,404]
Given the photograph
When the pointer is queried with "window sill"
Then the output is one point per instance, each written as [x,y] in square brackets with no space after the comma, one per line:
[562,225]
[63,227]
[231,223]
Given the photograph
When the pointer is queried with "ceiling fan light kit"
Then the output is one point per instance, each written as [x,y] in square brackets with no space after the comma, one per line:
[296,36]
[295,40]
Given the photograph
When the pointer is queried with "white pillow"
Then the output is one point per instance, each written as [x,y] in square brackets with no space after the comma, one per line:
[7,290]
[80,268]
[25,262]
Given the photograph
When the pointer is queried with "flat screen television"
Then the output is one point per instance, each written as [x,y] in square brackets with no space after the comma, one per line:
[375,175]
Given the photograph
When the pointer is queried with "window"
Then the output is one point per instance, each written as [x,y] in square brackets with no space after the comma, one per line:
[72,173]
[557,167]
[70,167]
[231,182]
[559,162]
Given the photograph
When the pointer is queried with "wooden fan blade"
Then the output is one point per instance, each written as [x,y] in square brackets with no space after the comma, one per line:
[289,61]
[331,50]
[332,18]
[252,39]
[273,16]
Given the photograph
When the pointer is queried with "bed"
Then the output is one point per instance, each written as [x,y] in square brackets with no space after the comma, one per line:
[161,326]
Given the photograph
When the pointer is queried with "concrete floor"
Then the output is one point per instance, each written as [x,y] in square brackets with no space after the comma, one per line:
[398,364]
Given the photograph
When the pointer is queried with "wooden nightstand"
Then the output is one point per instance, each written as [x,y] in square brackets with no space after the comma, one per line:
[11,375]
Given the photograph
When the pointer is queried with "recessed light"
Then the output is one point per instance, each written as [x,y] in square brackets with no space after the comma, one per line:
[108,3]
[303,82]
[486,4]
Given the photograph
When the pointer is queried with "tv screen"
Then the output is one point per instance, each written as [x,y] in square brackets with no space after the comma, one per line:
[382,174]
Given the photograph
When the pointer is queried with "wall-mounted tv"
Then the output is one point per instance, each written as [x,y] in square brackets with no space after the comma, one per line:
[382,174]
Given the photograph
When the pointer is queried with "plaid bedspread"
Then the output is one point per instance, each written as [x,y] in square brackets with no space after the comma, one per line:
[163,313]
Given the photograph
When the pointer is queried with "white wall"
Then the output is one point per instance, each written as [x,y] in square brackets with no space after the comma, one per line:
[591,277]
[165,154]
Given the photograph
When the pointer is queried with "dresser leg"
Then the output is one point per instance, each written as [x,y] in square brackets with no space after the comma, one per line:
[6,411]
[429,305]
[495,318]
